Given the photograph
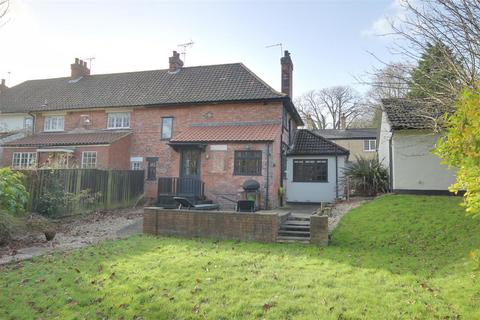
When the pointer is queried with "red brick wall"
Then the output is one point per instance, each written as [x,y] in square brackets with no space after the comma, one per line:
[212,224]
[146,142]
[119,154]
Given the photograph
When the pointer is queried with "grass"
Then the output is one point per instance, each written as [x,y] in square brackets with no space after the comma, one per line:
[398,257]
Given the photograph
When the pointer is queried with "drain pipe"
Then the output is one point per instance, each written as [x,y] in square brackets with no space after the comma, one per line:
[268,176]
[336,174]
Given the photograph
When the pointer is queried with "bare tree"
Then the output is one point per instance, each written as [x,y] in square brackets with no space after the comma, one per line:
[312,110]
[323,108]
[4,6]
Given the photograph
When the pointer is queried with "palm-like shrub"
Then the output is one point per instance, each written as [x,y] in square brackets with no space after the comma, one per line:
[367,177]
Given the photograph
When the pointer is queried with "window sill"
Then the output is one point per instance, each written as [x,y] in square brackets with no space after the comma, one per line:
[119,128]
[53,131]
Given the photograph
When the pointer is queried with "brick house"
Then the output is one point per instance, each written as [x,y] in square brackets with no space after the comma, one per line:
[216,125]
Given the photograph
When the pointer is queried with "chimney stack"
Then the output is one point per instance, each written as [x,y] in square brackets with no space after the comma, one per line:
[79,69]
[287,73]
[343,122]
[175,62]
[3,86]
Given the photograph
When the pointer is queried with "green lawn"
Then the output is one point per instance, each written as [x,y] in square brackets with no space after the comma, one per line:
[398,257]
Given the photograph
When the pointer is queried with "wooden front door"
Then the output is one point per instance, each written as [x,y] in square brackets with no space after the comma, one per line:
[189,171]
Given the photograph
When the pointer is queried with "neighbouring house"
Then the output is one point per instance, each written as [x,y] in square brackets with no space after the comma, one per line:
[361,142]
[199,131]
[315,169]
[13,125]
[406,141]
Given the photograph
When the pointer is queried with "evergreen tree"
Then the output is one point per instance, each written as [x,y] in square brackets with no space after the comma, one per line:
[435,77]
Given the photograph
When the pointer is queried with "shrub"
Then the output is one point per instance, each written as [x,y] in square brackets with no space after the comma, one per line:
[13,195]
[368,176]
[55,201]
[460,148]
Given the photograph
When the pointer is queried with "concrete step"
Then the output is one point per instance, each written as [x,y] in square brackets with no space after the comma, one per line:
[289,239]
[296,223]
[294,233]
[293,227]
[298,218]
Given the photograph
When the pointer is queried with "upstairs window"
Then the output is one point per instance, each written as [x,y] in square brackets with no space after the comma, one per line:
[310,170]
[89,159]
[247,163]
[118,120]
[167,128]
[369,145]
[53,123]
[28,124]
[24,160]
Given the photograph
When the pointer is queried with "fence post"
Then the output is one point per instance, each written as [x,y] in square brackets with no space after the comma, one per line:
[109,189]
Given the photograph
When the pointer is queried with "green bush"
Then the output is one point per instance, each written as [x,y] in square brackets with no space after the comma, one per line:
[13,195]
[55,201]
[368,176]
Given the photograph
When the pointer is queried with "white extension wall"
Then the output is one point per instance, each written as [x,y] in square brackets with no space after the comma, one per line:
[383,145]
[315,191]
[415,167]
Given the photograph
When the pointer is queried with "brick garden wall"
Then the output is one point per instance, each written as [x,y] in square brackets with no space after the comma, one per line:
[319,230]
[220,225]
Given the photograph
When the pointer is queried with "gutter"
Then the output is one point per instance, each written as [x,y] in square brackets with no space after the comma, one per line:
[390,160]
[336,174]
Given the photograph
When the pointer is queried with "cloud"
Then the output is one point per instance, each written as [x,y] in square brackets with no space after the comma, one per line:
[396,13]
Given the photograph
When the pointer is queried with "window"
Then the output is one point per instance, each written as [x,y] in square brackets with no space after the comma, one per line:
[284,160]
[167,126]
[247,163]
[285,117]
[28,124]
[136,165]
[310,170]
[53,123]
[152,168]
[118,120]
[24,160]
[369,145]
[89,159]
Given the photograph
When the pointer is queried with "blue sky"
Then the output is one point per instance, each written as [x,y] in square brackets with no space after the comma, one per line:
[329,40]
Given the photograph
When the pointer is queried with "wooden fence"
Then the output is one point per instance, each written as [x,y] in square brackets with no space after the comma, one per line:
[89,189]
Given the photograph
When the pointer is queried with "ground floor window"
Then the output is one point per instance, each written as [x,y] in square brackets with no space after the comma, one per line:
[24,160]
[369,145]
[248,163]
[136,163]
[89,159]
[310,170]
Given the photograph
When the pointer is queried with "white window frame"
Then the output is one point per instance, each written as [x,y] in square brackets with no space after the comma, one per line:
[54,123]
[28,123]
[367,145]
[136,165]
[118,120]
[26,160]
[87,155]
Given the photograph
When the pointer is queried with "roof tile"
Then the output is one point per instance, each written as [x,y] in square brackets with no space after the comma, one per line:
[221,133]
[67,139]
[201,84]
[308,143]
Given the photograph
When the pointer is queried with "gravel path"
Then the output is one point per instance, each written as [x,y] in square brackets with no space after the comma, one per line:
[78,232]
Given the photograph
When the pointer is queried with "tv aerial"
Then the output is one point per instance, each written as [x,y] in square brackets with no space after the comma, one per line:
[184,50]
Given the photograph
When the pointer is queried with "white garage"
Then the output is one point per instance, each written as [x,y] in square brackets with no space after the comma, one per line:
[314,169]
